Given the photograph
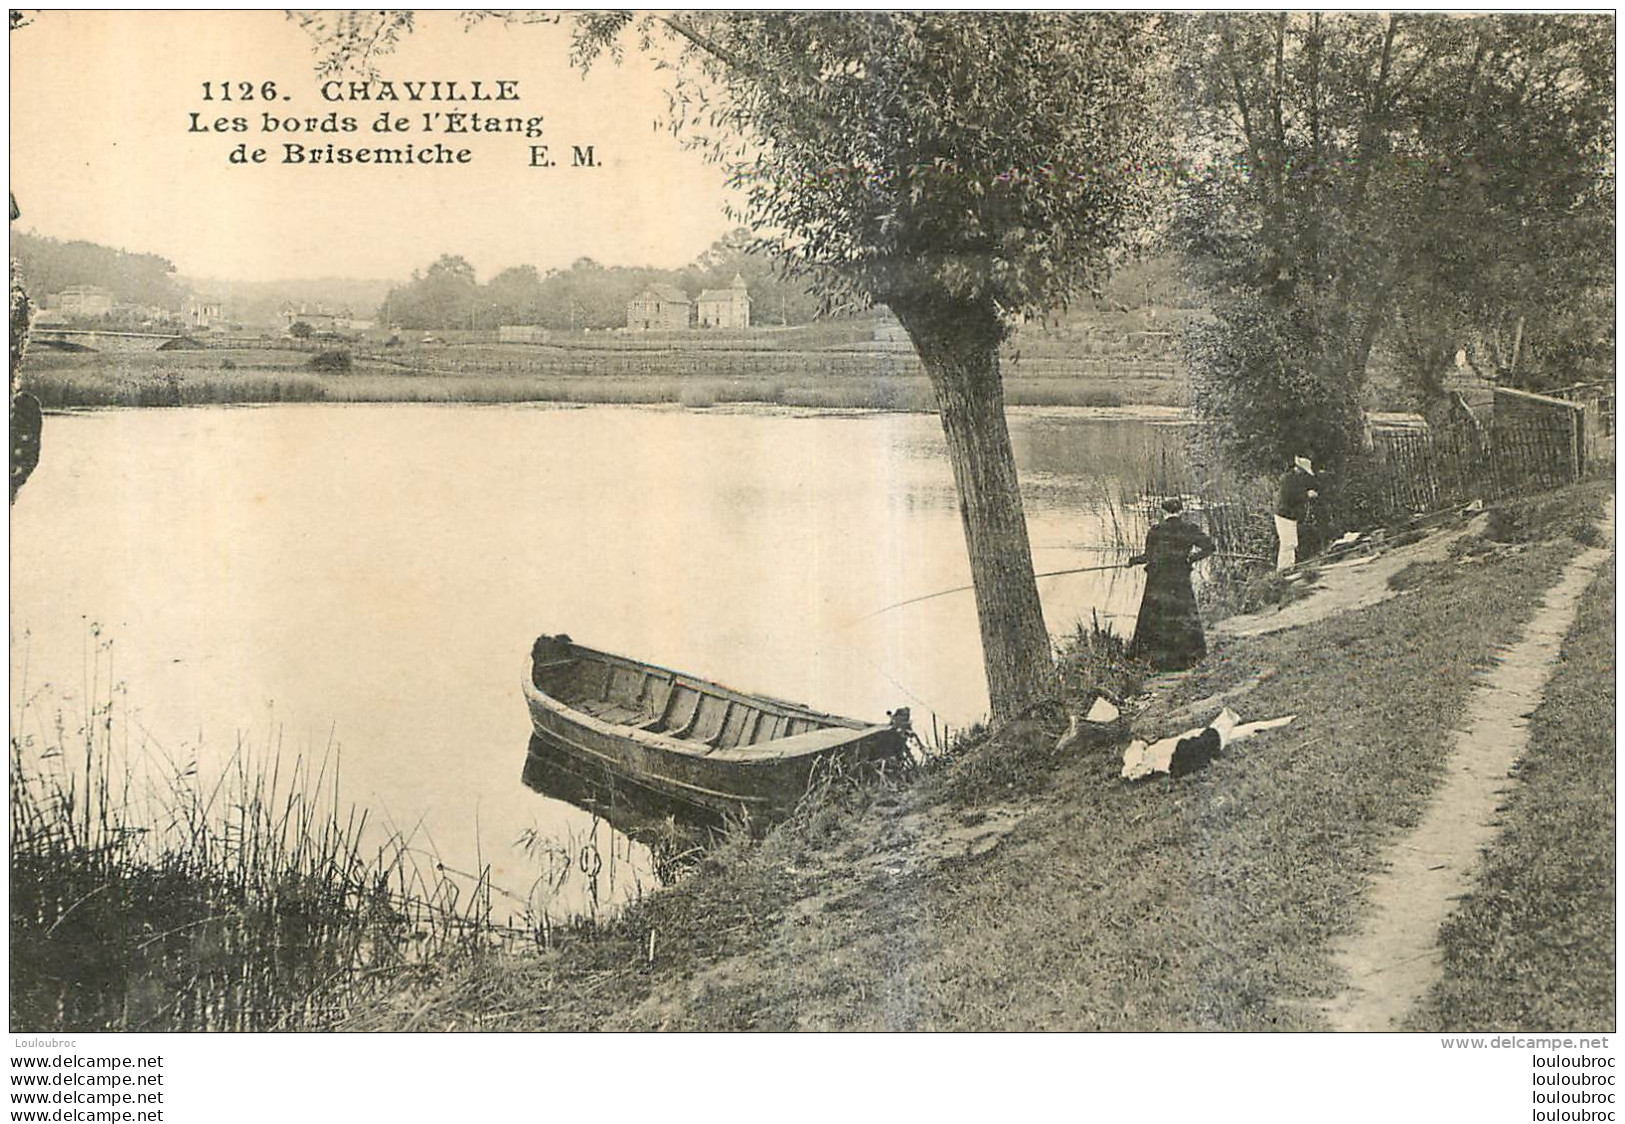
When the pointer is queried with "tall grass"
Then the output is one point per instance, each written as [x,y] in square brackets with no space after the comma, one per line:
[158,894]
[1234,508]
[810,381]
[174,387]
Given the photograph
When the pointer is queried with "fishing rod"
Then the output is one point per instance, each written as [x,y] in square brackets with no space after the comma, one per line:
[963,588]
[1046,574]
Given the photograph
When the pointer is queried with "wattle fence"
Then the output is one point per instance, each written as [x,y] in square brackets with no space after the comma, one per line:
[1418,471]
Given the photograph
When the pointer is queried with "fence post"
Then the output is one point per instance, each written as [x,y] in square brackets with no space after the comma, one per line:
[1575,445]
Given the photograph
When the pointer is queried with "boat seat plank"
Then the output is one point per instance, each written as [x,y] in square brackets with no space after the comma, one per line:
[736,725]
[622,715]
[614,711]
[657,693]
[708,720]
[685,711]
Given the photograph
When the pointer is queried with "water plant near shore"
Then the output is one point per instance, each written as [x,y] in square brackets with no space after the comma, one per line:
[151,892]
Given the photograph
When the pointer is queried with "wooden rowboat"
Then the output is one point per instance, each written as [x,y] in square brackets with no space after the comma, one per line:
[691,744]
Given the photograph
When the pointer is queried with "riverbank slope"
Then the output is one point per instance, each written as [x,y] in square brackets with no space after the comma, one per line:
[1021,886]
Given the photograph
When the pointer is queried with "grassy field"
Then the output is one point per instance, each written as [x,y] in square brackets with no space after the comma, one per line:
[695,378]
[1533,947]
[1017,888]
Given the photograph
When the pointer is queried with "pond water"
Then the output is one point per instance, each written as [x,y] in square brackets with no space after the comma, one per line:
[373,576]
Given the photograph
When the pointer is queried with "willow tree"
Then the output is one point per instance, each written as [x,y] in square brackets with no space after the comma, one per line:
[962,169]
[1422,182]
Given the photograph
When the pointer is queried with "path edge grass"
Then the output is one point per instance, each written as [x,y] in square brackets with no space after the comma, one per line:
[1533,946]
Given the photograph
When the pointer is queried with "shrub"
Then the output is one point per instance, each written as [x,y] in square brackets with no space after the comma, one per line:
[330,361]
[1504,525]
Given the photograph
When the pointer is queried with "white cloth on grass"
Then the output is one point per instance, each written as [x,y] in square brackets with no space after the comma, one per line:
[1142,759]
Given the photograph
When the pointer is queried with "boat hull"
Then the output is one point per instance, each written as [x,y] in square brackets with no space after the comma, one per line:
[755,783]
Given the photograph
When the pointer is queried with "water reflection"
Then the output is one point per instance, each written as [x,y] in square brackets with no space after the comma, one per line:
[672,834]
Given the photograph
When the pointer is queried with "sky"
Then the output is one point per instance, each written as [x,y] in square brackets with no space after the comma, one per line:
[104,148]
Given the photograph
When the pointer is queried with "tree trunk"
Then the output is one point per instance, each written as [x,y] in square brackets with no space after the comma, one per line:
[958,344]
[24,430]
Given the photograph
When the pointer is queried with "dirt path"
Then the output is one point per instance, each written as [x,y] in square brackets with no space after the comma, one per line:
[1344,586]
[1394,958]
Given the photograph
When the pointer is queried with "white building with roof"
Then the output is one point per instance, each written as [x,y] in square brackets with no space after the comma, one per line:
[725,308]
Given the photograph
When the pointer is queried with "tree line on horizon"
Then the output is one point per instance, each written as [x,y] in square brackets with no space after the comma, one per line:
[445,295]
[448,295]
[588,295]
[50,265]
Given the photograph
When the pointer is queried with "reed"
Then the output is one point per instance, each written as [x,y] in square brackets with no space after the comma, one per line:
[1233,507]
[1094,660]
[150,892]
[909,395]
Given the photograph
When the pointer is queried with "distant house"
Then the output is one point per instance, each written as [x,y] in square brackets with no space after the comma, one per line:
[84,300]
[203,313]
[521,333]
[726,308]
[659,308]
[318,316]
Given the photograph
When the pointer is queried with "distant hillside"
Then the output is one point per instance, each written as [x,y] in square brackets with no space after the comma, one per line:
[49,265]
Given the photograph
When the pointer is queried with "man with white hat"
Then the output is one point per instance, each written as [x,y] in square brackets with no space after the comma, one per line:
[1291,505]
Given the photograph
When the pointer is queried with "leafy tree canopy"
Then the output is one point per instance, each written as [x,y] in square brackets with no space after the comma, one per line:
[990,159]
[588,295]
[1362,172]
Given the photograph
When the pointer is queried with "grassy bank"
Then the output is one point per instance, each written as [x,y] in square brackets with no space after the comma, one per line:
[854,381]
[1533,946]
[1018,887]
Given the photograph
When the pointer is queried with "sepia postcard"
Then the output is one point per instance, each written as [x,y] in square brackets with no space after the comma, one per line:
[1091,526]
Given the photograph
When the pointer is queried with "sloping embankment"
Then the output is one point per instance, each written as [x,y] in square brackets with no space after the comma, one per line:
[1020,888]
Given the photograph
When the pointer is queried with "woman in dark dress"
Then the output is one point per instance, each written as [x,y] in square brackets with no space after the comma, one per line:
[1168,634]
